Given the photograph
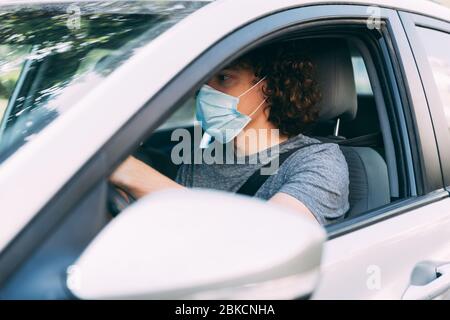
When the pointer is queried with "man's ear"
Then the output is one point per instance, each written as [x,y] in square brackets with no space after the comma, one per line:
[267,110]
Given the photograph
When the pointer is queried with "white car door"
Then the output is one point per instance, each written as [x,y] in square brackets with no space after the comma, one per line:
[406,253]
[377,262]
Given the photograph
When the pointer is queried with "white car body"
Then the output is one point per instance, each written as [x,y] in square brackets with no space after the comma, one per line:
[374,262]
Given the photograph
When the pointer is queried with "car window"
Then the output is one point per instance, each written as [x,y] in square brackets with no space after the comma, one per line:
[185,115]
[53,55]
[362,81]
[366,132]
[437,47]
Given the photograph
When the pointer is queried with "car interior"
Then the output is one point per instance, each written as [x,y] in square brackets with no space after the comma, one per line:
[351,116]
[348,117]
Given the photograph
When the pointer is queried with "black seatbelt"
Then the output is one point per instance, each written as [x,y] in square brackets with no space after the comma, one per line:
[256,180]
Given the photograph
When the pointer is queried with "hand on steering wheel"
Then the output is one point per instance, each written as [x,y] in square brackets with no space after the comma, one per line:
[118,199]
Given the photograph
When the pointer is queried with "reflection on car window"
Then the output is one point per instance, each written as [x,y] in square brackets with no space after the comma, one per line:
[437,47]
[52,55]
[10,67]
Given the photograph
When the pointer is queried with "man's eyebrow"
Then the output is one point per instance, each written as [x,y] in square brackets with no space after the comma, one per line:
[230,68]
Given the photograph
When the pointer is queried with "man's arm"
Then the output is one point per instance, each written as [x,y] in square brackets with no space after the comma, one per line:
[140,179]
[288,201]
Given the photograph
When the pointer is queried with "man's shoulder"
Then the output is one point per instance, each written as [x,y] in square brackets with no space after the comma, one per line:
[314,153]
[308,146]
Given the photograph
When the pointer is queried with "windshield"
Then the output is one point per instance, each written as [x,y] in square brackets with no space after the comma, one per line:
[51,55]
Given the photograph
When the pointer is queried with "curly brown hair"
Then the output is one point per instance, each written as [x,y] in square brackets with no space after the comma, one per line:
[291,91]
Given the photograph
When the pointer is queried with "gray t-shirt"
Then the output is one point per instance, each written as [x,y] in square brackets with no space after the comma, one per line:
[316,175]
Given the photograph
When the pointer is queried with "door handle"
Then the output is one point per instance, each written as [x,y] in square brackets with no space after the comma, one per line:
[428,281]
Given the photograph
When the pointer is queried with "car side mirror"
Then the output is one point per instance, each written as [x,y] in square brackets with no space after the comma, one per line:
[198,244]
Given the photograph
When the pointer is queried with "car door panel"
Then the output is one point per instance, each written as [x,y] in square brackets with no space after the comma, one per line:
[376,262]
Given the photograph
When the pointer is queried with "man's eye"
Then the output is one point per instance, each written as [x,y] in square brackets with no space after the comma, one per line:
[223,78]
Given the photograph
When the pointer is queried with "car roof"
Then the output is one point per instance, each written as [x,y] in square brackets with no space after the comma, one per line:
[424,7]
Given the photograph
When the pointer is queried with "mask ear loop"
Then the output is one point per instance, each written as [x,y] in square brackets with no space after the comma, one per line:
[251,88]
[251,114]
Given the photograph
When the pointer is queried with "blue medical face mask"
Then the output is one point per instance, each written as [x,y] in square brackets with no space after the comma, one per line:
[218,114]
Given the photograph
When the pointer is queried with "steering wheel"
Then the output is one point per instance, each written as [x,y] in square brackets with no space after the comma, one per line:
[118,198]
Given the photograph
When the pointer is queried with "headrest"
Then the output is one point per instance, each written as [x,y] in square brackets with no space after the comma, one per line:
[335,78]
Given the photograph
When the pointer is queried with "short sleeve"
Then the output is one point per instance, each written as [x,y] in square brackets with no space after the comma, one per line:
[182,176]
[317,176]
